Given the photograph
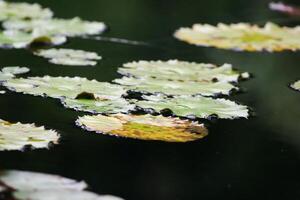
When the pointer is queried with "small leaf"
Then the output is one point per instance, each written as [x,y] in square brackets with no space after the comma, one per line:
[9,72]
[180,71]
[144,127]
[69,56]
[23,185]
[296,85]
[16,136]
[242,36]
[201,107]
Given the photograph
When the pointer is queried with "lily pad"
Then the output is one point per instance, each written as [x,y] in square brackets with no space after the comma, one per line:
[77,93]
[200,107]
[169,87]
[69,56]
[296,85]
[24,185]
[242,36]
[15,136]
[9,10]
[144,127]
[9,72]
[65,27]
[19,39]
[181,71]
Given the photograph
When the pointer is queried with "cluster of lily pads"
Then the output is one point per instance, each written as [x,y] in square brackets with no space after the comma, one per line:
[27,24]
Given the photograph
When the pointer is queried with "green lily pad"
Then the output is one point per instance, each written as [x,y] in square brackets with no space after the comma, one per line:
[242,36]
[181,71]
[65,27]
[24,185]
[200,107]
[14,136]
[296,85]
[144,127]
[69,56]
[10,10]
[77,93]
[19,39]
[169,87]
[9,72]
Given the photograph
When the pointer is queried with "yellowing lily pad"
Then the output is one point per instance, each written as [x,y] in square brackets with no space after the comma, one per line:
[144,127]
[55,26]
[169,87]
[200,107]
[242,36]
[24,185]
[69,56]
[14,136]
[181,71]
[296,85]
[10,10]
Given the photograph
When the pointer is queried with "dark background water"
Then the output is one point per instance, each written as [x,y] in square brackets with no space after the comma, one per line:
[257,158]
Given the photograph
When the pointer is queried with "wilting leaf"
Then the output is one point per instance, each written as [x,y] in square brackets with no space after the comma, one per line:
[69,56]
[20,39]
[14,136]
[9,10]
[9,72]
[181,71]
[23,185]
[169,87]
[242,36]
[200,107]
[144,127]
[66,27]
[284,8]
[77,93]
[296,85]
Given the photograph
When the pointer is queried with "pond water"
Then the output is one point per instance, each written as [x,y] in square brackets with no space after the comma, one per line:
[257,158]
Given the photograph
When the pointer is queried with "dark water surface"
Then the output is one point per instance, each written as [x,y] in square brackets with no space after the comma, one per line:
[250,159]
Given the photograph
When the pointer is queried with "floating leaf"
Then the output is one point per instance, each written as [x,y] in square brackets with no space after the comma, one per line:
[65,27]
[16,136]
[9,72]
[23,185]
[296,85]
[180,71]
[77,93]
[201,107]
[99,105]
[150,85]
[9,10]
[144,127]
[20,39]
[69,56]
[284,8]
[242,36]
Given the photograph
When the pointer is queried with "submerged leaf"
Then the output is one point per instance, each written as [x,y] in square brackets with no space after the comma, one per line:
[169,87]
[296,85]
[69,56]
[200,107]
[242,36]
[9,10]
[23,185]
[180,71]
[144,127]
[65,27]
[16,136]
